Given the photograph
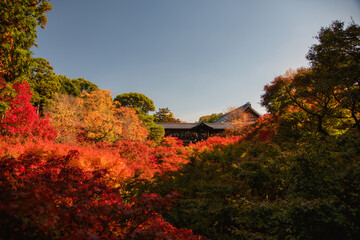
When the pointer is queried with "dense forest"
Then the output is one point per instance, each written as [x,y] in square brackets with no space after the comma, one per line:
[77,164]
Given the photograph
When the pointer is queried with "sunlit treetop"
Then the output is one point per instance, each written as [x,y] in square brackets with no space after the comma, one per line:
[138,101]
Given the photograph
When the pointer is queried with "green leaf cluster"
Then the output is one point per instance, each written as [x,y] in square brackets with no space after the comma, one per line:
[45,84]
[137,101]
[75,86]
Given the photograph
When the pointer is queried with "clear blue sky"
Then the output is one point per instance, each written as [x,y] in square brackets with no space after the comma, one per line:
[195,57]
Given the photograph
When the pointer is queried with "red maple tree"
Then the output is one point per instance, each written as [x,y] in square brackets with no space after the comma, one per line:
[21,119]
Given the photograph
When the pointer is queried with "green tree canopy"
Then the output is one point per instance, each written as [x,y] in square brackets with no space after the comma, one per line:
[75,86]
[337,60]
[18,22]
[210,118]
[326,97]
[137,101]
[43,82]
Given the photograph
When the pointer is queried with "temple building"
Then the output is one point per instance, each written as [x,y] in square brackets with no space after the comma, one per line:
[193,132]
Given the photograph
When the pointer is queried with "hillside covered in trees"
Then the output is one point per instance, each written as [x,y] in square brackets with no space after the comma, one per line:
[77,164]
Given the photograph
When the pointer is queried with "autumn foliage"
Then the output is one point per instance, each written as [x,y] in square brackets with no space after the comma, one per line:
[122,160]
[263,130]
[47,198]
[84,168]
[21,118]
[94,118]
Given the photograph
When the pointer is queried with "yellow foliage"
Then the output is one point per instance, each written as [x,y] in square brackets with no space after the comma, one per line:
[95,118]
[66,113]
[132,126]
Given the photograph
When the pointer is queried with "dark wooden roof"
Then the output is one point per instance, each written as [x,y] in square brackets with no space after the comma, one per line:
[190,126]
[219,125]
[226,118]
[174,126]
[223,123]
